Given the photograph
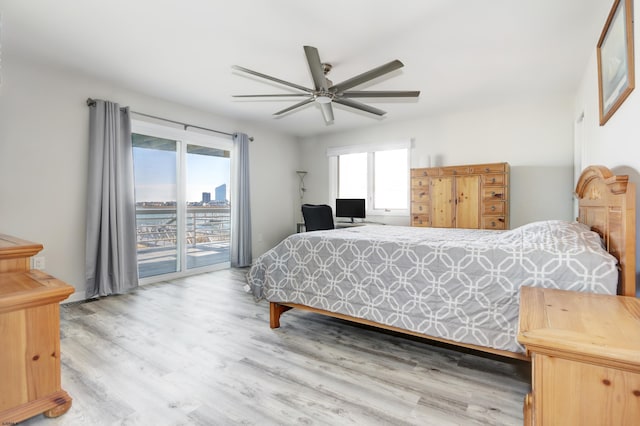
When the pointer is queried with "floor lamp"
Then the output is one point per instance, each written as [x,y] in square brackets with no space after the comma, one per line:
[301,190]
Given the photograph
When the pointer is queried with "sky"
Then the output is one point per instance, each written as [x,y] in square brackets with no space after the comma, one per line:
[155,175]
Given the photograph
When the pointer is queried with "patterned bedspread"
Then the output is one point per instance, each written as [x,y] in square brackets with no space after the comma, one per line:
[458,284]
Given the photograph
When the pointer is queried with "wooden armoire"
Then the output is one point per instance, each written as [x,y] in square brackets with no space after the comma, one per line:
[470,196]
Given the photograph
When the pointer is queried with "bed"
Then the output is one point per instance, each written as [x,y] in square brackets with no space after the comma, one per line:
[457,286]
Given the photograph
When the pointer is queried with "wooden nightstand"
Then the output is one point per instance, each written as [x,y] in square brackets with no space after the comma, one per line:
[585,357]
[29,336]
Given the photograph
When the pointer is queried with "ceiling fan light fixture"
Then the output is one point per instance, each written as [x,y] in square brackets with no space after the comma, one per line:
[323,99]
[325,93]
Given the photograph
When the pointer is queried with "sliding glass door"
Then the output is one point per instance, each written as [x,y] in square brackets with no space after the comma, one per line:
[208,220]
[182,184]
[155,172]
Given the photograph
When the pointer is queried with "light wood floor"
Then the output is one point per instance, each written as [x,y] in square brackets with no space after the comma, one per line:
[200,351]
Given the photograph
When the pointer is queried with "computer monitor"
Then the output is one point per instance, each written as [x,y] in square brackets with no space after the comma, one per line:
[350,207]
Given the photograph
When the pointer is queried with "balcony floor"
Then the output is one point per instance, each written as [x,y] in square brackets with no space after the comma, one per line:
[158,261]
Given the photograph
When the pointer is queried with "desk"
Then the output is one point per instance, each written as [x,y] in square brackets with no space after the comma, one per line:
[301,228]
[585,357]
[349,224]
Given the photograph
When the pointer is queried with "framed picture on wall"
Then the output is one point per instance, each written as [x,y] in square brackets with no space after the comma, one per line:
[616,78]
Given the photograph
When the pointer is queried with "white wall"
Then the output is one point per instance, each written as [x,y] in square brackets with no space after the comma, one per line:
[534,136]
[617,143]
[43,162]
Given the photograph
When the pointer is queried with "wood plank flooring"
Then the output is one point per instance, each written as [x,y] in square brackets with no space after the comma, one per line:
[199,351]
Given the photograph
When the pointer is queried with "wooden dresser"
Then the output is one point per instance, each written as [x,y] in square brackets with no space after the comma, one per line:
[585,357]
[29,335]
[469,196]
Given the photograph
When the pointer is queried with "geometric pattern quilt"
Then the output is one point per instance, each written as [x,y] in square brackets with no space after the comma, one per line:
[458,284]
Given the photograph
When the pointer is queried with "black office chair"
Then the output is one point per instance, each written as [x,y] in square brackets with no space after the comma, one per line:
[317,217]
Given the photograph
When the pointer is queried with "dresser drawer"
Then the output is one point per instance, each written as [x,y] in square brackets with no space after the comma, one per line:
[494,193]
[495,179]
[420,195]
[419,208]
[493,222]
[420,220]
[494,208]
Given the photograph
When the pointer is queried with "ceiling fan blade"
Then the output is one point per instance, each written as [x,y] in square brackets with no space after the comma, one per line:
[315,66]
[291,108]
[272,96]
[382,94]
[268,77]
[327,112]
[366,76]
[360,106]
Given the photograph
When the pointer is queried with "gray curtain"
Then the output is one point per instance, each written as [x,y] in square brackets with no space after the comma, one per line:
[240,205]
[111,263]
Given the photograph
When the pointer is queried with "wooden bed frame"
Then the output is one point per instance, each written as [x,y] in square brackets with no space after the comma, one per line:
[606,203]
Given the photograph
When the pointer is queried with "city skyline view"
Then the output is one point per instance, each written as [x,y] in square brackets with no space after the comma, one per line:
[155,174]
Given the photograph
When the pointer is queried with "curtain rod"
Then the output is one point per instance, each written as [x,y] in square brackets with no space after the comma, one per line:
[92,102]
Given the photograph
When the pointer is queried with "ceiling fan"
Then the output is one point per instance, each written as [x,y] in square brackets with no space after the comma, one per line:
[325,92]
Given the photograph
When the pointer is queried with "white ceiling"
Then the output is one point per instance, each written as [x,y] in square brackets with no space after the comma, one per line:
[457,53]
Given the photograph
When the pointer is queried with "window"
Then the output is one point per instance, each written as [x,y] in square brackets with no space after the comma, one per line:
[390,174]
[352,175]
[182,185]
[379,174]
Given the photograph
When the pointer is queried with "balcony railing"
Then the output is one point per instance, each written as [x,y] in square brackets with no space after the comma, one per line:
[207,237]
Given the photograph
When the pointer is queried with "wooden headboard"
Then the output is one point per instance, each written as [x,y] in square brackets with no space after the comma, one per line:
[608,205]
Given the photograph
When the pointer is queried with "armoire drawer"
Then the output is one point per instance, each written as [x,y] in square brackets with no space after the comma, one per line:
[494,208]
[419,182]
[419,208]
[489,168]
[456,170]
[493,222]
[420,195]
[493,179]
[424,172]
[494,193]
[420,220]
